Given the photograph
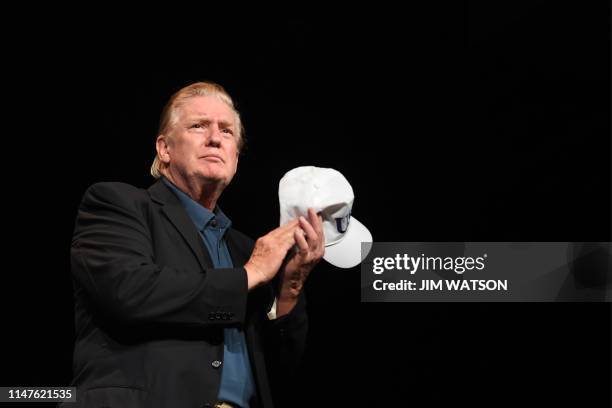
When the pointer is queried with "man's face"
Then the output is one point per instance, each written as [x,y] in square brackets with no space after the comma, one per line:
[204,145]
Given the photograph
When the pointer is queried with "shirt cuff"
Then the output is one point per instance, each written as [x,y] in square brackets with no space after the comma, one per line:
[272,312]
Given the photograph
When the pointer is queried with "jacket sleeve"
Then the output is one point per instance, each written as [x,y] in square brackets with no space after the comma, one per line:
[285,345]
[113,261]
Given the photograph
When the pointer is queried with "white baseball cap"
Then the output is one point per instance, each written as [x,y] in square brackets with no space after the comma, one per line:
[331,196]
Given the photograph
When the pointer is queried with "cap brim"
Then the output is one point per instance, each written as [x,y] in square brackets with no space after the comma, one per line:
[347,253]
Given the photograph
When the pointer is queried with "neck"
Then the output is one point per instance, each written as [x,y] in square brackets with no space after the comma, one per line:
[206,193]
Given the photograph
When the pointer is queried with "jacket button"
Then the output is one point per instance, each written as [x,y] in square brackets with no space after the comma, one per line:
[216,364]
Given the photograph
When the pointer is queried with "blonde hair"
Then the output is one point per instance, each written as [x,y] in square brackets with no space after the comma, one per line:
[169,114]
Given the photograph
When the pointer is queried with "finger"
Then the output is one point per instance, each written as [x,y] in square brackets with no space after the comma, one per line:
[286,229]
[283,235]
[301,241]
[317,224]
[289,225]
[316,221]
[288,237]
[310,232]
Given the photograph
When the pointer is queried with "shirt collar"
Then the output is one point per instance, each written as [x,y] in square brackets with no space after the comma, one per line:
[201,216]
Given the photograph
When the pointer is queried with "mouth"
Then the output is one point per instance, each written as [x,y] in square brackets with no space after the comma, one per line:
[213,158]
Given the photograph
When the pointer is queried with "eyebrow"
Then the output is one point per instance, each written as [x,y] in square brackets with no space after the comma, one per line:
[199,118]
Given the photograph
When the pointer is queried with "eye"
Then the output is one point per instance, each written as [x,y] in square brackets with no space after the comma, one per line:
[228,131]
[196,126]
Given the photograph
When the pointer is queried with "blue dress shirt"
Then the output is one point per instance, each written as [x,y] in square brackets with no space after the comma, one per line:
[237,383]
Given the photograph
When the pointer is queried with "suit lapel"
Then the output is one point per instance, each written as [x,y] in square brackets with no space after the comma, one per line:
[238,254]
[174,211]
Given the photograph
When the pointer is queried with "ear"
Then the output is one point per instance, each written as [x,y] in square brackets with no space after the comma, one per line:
[163,149]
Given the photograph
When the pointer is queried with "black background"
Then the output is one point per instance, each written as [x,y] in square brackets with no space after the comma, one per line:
[470,122]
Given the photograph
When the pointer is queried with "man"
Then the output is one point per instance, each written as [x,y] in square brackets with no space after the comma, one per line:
[175,308]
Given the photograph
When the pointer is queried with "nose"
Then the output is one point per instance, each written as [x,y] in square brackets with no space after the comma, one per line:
[214,138]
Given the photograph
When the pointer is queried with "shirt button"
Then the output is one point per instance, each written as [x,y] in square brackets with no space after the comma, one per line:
[213,223]
[216,364]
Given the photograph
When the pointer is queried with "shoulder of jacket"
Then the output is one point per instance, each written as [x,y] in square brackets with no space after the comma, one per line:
[114,186]
[114,191]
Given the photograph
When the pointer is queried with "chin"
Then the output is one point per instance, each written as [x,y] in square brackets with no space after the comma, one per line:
[214,178]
